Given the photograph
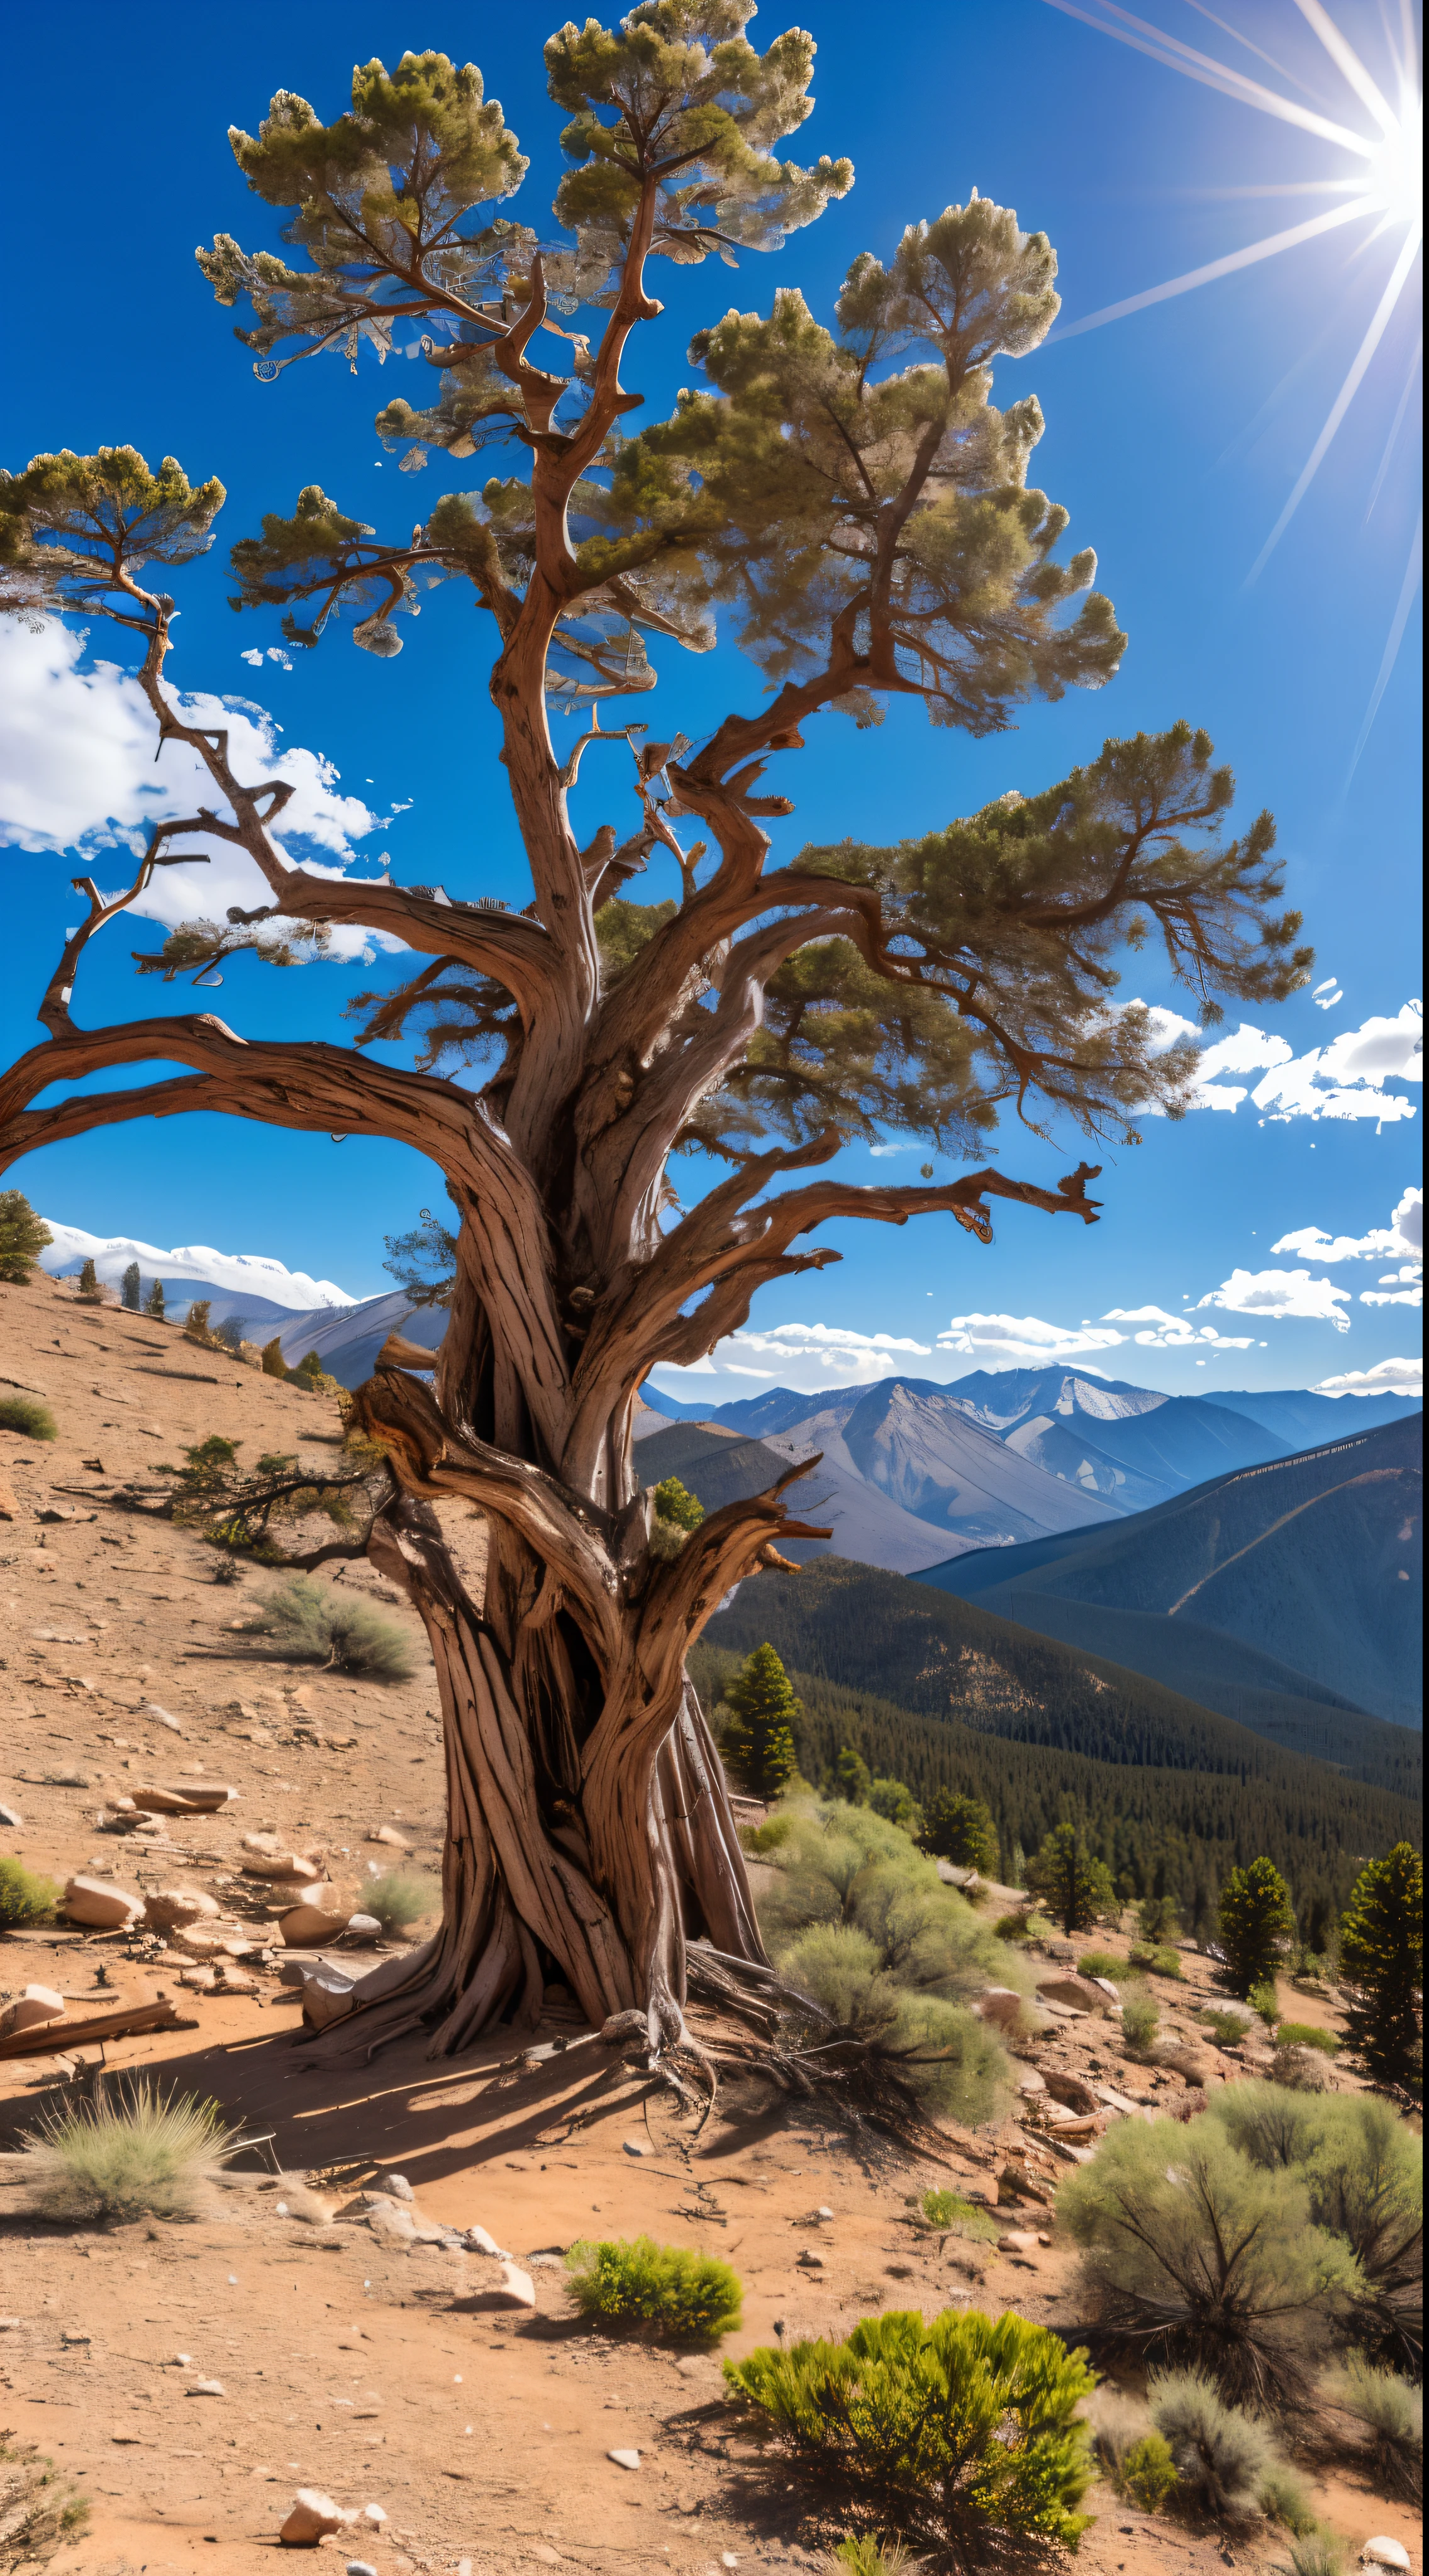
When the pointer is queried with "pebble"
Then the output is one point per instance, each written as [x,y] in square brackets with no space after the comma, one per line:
[206,2388]
[821,2212]
[809,2261]
[624,2459]
[518,2290]
[11,1818]
[636,2147]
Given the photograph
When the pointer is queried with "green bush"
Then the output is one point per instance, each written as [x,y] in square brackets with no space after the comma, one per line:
[1389,2412]
[1157,1962]
[692,2298]
[873,2557]
[1362,2169]
[1158,1918]
[139,2153]
[311,1623]
[1304,2034]
[1227,2027]
[674,1504]
[1285,2498]
[1149,2472]
[960,2436]
[26,1896]
[400,1897]
[960,1829]
[1196,2257]
[941,2051]
[1264,2002]
[1100,1963]
[1223,2458]
[25,1414]
[1318,2554]
[1140,2021]
[954,2216]
[842,1865]
[894,1800]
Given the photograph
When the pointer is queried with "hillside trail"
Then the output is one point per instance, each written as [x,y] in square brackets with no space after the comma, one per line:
[189,2375]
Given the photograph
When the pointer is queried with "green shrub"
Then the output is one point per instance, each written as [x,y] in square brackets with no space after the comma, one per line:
[873,2557]
[1318,2554]
[961,2435]
[692,2298]
[1157,1962]
[1100,1963]
[1264,2002]
[947,2057]
[138,2153]
[1149,2472]
[1222,2458]
[1158,1918]
[26,1896]
[400,1897]
[25,1414]
[673,1503]
[1285,2498]
[769,1837]
[1304,2034]
[1017,1927]
[894,1800]
[954,2216]
[1196,2257]
[1227,2027]
[1362,2169]
[842,1865]
[310,1623]
[960,1829]
[1389,2412]
[1140,2021]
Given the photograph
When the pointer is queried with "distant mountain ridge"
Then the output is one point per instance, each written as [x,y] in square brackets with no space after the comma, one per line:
[1311,1561]
[255,1283]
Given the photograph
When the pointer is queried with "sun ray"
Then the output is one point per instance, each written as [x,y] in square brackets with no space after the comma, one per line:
[1236,259]
[1398,278]
[1413,574]
[1395,427]
[1203,67]
[1237,38]
[1346,61]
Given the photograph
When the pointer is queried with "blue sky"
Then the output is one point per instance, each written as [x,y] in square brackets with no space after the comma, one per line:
[1174,437]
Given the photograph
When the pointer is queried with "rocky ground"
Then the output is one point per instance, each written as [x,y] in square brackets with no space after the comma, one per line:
[391,2372]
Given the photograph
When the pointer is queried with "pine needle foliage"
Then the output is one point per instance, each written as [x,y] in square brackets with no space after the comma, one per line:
[665,2289]
[1227,2466]
[23,1237]
[1381,1947]
[959,2436]
[138,2153]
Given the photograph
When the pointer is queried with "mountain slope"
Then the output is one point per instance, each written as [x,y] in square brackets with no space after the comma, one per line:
[250,1278]
[1311,1560]
[720,1467]
[348,1344]
[1301,1419]
[905,1441]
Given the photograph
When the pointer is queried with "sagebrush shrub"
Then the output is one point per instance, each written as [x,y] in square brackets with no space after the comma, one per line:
[1140,2020]
[312,1623]
[1156,1962]
[1223,2458]
[946,2056]
[842,1865]
[26,1414]
[960,2435]
[948,2211]
[1389,2414]
[1306,2034]
[1194,2256]
[26,1896]
[1101,1963]
[399,1897]
[872,2557]
[692,2298]
[139,2153]
[1319,2553]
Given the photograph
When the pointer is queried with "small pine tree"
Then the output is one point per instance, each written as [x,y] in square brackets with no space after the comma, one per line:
[129,1289]
[960,1829]
[1254,1921]
[850,1778]
[90,1290]
[231,1333]
[758,1744]
[196,1325]
[154,1302]
[307,1373]
[1073,1884]
[23,1237]
[674,1503]
[274,1364]
[1382,1966]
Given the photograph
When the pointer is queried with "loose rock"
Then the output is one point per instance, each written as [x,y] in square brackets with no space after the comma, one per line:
[168,1909]
[624,2459]
[1386,2553]
[34,2005]
[105,1908]
[313,2516]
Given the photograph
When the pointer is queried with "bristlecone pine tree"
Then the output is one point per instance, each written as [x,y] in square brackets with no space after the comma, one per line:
[129,1288]
[759,1740]
[23,1237]
[1382,1965]
[853,509]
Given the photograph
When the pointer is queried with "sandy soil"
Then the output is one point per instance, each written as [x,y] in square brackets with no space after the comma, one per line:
[386,2375]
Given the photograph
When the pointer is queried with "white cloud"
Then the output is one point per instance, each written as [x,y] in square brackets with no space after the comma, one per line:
[78,776]
[1013,1340]
[1326,995]
[1402,1287]
[1175,1332]
[1281,1293]
[255,1272]
[1341,1081]
[1387,1377]
[1403,1234]
[805,1355]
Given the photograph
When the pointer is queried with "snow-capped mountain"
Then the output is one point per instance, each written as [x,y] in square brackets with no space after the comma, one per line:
[261,1286]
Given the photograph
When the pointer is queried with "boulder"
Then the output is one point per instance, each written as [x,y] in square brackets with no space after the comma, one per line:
[517,2289]
[363,1930]
[1112,1992]
[326,1997]
[1001,2006]
[102,1908]
[1070,2091]
[171,1909]
[1079,1992]
[1030,2084]
[306,1926]
[265,1857]
[33,2006]
[313,2516]
[480,2243]
[1018,2240]
[191,1798]
[1386,2553]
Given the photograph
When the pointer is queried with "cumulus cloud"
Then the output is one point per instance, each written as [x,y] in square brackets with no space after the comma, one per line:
[1402,1287]
[1387,1377]
[1404,1234]
[1163,1332]
[1326,995]
[804,1355]
[1343,1080]
[78,777]
[1282,1294]
[1014,1340]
